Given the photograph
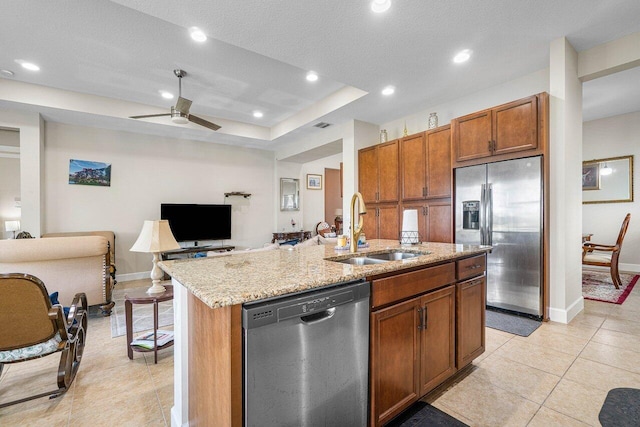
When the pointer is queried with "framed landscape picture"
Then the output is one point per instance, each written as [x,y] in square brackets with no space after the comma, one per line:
[314,182]
[85,172]
[590,176]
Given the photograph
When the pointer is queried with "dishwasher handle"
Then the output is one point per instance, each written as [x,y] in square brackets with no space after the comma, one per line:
[318,317]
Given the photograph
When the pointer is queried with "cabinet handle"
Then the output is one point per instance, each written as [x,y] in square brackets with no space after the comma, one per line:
[426,210]
[377,196]
[420,324]
[426,318]
[473,267]
[489,145]
[426,190]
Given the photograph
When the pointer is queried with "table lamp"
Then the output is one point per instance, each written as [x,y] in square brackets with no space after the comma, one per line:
[12,226]
[154,238]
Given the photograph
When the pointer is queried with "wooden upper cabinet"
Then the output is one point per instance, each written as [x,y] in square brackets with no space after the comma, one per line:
[426,165]
[378,173]
[388,172]
[472,136]
[434,220]
[414,172]
[382,222]
[501,130]
[439,162]
[515,126]
[368,174]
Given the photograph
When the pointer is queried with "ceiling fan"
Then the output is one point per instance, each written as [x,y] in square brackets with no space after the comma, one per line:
[180,113]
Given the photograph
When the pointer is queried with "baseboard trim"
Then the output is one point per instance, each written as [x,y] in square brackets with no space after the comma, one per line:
[133,276]
[175,418]
[566,315]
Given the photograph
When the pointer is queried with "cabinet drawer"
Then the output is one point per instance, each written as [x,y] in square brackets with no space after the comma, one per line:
[470,267]
[403,286]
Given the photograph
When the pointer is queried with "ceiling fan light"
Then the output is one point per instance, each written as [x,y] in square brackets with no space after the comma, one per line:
[380,6]
[179,120]
[197,34]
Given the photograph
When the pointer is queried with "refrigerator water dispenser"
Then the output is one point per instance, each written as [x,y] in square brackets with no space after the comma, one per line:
[471,215]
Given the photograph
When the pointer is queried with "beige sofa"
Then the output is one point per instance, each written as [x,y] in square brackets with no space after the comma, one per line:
[67,265]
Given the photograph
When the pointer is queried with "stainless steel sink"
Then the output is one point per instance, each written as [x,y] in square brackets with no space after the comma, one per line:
[394,256]
[361,260]
[368,259]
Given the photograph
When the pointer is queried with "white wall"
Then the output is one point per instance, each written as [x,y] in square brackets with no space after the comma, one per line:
[313,200]
[612,137]
[147,171]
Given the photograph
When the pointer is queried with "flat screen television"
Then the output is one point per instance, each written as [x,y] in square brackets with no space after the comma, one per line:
[191,222]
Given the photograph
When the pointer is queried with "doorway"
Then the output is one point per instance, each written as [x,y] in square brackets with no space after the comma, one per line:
[332,195]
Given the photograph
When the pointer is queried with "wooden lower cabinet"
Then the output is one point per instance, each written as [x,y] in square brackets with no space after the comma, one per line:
[470,320]
[394,360]
[434,220]
[413,351]
[437,338]
[382,222]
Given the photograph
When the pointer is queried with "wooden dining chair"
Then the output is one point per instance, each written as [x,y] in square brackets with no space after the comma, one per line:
[606,255]
[31,327]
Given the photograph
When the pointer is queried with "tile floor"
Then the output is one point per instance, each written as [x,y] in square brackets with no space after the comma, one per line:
[558,376]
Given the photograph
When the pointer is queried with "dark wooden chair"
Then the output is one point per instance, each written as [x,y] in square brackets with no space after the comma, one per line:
[33,328]
[606,255]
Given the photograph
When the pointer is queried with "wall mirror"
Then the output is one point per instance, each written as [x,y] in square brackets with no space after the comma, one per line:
[607,180]
[289,194]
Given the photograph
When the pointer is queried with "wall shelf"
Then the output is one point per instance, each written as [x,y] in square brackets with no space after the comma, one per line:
[238,194]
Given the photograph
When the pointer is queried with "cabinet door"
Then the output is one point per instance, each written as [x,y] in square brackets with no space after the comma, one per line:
[370,226]
[394,360]
[437,338]
[439,222]
[423,230]
[388,181]
[470,320]
[438,147]
[368,174]
[472,136]
[388,222]
[413,157]
[515,126]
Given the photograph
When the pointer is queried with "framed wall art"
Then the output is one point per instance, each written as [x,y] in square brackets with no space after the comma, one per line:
[314,182]
[85,172]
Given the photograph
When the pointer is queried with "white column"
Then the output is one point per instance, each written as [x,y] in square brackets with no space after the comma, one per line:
[180,409]
[565,182]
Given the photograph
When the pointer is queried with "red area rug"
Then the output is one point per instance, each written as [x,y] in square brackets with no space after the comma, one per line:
[598,286]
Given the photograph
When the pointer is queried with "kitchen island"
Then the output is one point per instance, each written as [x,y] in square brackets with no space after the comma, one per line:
[209,293]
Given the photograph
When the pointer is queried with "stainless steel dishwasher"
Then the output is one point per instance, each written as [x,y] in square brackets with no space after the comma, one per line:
[306,358]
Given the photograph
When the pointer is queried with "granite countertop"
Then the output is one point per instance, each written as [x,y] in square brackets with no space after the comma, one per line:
[238,278]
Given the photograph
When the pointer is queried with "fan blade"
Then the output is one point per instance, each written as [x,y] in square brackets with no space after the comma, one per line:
[183,105]
[202,122]
[149,115]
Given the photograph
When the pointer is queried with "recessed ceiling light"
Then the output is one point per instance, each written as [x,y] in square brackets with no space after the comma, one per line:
[312,76]
[197,34]
[165,94]
[462,56]
[379,6]
[28,65]
[6,73]
[257,114]
[389,90]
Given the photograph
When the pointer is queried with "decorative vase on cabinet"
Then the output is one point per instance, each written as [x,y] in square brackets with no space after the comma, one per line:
[433,121]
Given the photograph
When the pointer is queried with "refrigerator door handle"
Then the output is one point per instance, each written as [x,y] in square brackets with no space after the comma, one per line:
[483,214]
[489,214]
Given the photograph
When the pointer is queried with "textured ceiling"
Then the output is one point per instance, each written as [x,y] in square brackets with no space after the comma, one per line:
[258,53]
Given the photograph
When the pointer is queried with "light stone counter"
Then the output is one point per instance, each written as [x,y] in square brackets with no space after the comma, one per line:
[238,278]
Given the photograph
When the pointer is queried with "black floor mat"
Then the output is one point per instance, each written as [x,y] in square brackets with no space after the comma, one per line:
[421,414]
[518,325]
[621,408]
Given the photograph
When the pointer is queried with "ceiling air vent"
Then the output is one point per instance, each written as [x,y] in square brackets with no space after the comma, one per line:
[322,125]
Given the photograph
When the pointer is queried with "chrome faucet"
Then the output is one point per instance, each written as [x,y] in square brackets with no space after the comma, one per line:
[355,231]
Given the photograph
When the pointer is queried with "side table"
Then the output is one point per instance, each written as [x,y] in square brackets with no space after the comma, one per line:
[140,296]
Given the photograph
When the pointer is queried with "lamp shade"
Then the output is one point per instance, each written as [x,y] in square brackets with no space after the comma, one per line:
[155,236]
[338,212]
[12,225]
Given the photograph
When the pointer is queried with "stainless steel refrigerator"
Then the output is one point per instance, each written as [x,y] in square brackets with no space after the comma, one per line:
[500,204]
